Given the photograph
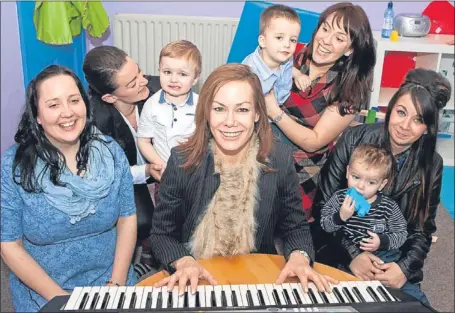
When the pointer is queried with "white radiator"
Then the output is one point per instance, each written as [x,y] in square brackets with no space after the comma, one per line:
[143,35]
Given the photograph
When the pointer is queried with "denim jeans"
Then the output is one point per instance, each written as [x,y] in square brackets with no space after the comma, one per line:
[408,288]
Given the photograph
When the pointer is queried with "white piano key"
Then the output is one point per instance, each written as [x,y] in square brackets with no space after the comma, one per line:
[120,290]
[102,293]
[201,290]
[139,290]
[288,288]
[128,293]
[91,296]
[155,293]
[228,293]
[85,290]
[191,298]
[236,289]
[254,295]
[332,298]
[243,290]
[181,299]
[265,295]
[269,289]
[217,290]
[208,296]
[164,296]
[363,291]
[71,304]
[175,297]
[303,295]
[141,304]
[279,290]
[112,294]
[315,290]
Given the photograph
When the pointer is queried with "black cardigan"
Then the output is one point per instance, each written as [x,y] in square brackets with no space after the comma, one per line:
[184,197]
[109,121]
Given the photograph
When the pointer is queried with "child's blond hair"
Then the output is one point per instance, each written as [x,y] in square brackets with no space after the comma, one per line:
[374,157]
[277,11]
[183,49]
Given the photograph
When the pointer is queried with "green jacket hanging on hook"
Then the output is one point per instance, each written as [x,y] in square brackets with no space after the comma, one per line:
[57,22]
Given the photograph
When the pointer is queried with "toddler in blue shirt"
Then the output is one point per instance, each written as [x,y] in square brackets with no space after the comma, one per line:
[272,61]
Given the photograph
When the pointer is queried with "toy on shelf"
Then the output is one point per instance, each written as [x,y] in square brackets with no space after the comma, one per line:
[361,204]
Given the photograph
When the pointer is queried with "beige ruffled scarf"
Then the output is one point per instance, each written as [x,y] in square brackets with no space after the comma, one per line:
[228,226]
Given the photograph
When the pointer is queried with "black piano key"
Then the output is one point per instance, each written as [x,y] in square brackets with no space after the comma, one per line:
[249,298]
[169,299]
[223,299]
[121,300]
[212,299]
[96,297]
[373,294]
[348,294]
[105,300]
[159,300]
[324,297]
[84,301]
[312,296]
[358,294]
[297,296]
[275,297]
[148,302]
[185,299]
[234,298]
[261,297]
[384,293]
[286,297]
[133,300]
[338,295]
[198,301]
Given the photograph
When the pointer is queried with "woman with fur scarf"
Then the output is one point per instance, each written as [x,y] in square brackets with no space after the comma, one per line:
[230,190]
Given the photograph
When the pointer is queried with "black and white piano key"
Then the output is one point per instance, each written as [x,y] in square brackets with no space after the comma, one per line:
[265,296]
[228,294]
[305,298]
[71,304]
[103,293]
[201,296]
[93,296]
[218,295]
[145,299]
[279,292]
[254,295]
[236,296]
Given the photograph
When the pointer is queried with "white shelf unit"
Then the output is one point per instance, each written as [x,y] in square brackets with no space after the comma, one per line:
[432,51]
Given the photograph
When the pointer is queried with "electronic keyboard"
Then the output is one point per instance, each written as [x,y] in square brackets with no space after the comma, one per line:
[347,296]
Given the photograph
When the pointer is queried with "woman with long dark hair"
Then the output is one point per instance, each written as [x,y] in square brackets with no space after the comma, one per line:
[409,133]
[67,209]
[339,62]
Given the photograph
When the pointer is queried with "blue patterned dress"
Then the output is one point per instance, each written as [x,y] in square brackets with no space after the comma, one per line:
[80,254]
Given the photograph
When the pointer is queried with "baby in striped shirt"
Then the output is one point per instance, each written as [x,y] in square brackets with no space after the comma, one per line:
[382,230]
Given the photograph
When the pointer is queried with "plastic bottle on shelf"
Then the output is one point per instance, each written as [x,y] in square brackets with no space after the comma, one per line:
[387,25]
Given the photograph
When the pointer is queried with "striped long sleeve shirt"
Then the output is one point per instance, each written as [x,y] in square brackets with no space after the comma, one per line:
[384,218]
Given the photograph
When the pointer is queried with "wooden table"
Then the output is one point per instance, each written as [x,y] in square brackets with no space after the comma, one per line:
[249,269]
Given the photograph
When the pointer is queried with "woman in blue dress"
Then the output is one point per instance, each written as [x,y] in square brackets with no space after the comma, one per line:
[67,207]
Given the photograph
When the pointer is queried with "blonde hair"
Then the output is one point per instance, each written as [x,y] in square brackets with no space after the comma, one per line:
[277,11]
[375,157]
[183,49]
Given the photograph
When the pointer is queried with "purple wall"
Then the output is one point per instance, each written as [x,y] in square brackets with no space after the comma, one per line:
[12,83]
[374,10]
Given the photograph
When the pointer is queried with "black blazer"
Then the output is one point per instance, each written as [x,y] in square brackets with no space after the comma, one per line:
[109,121]
[184,197]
